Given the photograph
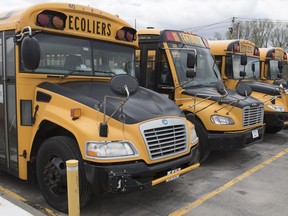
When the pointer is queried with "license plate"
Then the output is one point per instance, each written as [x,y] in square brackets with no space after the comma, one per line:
[255,134]
[171,172]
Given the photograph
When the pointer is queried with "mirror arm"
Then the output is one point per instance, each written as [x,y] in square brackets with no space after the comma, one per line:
[127,91]
[26,30]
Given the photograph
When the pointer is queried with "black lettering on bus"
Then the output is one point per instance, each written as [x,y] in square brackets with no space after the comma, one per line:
[83,24]
[98,27]
[103,28]
[109,29]
[94,26]
[70,22]
[88,26]
[76,21]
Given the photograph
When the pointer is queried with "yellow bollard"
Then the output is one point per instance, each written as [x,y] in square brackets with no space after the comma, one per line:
[73,188]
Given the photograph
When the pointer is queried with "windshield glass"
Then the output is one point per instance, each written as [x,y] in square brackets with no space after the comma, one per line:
[273,70]
[237,67]
[207,73]
[83,57]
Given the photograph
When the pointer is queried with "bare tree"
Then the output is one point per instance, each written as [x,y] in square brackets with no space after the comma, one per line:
[279,36]
[258,32]
[218,36]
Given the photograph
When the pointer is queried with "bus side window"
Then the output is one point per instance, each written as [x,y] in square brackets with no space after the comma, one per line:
[218,61]
[229,67]
[150,71]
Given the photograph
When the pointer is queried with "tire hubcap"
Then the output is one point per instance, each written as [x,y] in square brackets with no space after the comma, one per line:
[55,176]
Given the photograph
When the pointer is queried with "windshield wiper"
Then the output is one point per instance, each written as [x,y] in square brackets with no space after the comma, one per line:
[73,71]
[108,73]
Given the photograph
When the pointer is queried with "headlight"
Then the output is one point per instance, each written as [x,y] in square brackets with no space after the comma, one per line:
[194,137]
[223,120]
[110,150]
[276,108]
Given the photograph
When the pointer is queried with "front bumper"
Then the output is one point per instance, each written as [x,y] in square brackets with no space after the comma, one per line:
[276,119]
[229,141]
[137,175]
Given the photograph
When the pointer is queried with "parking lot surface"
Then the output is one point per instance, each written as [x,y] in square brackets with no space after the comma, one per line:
[249,181]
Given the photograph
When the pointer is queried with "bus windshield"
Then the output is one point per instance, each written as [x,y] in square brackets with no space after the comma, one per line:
[83,57]
[273,70]
[207,73]
[237,67]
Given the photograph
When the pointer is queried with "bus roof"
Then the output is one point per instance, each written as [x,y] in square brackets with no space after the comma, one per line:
[279,53]
[149,31]
[221,47]
[79,20]
[12,18]
[169,35]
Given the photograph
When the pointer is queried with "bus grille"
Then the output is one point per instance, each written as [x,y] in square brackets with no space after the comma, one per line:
[165,137]
[253,115]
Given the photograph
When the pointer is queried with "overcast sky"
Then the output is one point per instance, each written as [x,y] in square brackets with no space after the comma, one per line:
[203,17]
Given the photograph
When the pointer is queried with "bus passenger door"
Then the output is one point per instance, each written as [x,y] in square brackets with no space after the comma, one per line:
[8,121]
[154,71]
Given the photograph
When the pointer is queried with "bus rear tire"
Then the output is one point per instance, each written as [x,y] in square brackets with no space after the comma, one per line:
[51,172]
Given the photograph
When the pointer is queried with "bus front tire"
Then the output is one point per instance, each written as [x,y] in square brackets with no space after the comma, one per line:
[203,141]
[51,172]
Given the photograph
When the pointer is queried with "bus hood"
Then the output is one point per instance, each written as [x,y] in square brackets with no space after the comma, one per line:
[265,88]
[281,81]
[232,95]
[143,105]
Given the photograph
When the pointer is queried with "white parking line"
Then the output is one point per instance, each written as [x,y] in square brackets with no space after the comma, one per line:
[7,208]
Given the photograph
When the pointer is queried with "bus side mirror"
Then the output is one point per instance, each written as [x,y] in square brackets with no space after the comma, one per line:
[191,73]
[137,73]
[124,84]
[253,67]
[243,89]
[191,60]
[243,60]
[221,88]
[279,75]
[30,52]
[242,74]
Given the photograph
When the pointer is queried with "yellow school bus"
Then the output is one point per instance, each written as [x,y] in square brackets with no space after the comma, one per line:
[239,63]
[273,66]
[68,91]
[180,66]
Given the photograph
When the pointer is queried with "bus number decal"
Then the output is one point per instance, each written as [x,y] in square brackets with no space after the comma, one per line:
[72,6]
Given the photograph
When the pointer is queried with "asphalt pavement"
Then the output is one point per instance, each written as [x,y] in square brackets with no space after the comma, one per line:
[250,181]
